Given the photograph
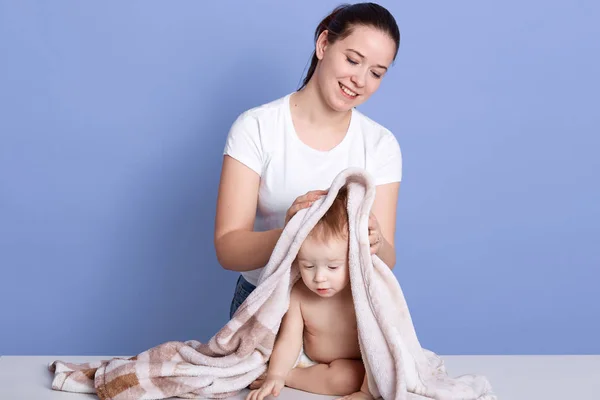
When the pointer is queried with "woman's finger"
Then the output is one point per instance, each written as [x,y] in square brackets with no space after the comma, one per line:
[309,197]
[294,209]
[301,206]
[372,240]
[312,195]
[372,221]
[302,202]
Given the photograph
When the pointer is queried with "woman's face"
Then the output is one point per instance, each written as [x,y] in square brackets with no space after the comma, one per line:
[350,70]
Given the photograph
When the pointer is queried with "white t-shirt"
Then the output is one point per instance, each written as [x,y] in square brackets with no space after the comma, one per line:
[264,139]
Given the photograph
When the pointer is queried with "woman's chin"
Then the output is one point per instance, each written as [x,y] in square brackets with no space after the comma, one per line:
[340,105]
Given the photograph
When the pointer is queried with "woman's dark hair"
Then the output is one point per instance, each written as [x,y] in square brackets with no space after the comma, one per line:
[344,18]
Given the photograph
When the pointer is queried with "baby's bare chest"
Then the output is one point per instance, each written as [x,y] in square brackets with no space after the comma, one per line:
[330,319]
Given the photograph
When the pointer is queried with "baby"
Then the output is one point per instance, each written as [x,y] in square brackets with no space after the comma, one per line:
[320,320]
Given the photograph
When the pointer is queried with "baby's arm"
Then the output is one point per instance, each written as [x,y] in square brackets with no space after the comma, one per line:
[289,339]
[285,351]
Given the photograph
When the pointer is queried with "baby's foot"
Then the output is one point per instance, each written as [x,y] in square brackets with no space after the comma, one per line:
[357,396]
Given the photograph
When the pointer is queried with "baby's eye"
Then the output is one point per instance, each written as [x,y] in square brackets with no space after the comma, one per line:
[308,266]
[333,267]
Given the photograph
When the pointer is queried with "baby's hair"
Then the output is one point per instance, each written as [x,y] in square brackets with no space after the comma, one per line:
[334,223]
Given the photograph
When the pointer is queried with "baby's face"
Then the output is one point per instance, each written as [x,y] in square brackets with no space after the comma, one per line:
[323,265]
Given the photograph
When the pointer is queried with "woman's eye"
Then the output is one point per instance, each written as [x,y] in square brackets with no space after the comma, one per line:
[351,61]
[376,75]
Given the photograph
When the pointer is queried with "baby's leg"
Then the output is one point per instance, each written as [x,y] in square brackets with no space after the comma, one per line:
[340,378]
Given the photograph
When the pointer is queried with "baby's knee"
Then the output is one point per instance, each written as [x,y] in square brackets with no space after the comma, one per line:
[346,376]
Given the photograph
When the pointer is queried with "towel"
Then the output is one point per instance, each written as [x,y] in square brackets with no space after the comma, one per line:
[396,365]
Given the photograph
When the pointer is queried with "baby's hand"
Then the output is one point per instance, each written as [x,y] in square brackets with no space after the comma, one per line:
[271,385]
[358,396]
[257,384]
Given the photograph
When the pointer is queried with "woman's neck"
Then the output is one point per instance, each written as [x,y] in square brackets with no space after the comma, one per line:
[309,105]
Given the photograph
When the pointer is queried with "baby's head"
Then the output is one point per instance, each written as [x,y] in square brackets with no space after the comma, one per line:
[323,257]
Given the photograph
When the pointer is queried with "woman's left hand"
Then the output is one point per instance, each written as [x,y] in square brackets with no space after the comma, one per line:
[375,236]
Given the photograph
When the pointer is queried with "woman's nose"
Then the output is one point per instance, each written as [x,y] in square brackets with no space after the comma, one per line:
[358,79]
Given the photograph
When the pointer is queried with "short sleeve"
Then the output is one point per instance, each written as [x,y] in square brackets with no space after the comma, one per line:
[244,143]
[388,166]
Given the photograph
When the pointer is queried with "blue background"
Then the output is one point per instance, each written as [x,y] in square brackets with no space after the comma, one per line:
[113,120]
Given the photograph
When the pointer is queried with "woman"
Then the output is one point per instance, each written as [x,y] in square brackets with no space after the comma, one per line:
[281,156]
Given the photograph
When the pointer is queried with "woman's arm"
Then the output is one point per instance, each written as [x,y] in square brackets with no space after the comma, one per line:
[384,209]
[238,246]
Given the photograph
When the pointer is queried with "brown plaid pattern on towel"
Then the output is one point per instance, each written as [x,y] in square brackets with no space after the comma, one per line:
[397,366]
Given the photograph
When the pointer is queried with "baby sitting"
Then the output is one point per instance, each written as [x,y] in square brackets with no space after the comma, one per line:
[320,323]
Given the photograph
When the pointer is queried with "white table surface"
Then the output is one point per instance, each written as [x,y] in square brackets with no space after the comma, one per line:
[512,377]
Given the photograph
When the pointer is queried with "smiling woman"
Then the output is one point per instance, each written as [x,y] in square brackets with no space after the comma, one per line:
[356,63]
[369,27]
[281,156]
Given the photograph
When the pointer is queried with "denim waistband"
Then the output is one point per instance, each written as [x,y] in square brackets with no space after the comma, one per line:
[245,284]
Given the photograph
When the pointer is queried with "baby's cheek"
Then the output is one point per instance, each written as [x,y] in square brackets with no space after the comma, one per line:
[343,276]
[305,275]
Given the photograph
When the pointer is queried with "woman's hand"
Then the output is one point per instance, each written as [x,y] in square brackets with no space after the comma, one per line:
[375,236]
[304,201]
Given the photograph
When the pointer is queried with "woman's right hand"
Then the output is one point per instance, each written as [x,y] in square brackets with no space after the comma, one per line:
[304,201]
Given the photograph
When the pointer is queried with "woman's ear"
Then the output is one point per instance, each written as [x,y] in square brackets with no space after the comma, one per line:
[321,44]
